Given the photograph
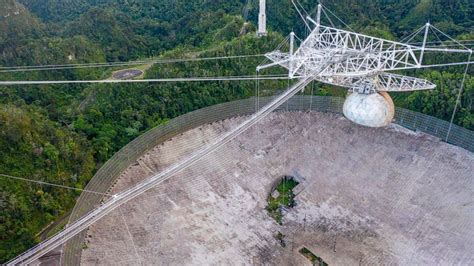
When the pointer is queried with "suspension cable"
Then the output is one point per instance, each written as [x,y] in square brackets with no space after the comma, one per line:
[301,15]
[130,235]
[458,99]
[447,41]
[256,90]
[245,12]
[412,35]
[160,80]
[280,45]
[324,8]
[327,16]
[449,37]
[53,185]
[115,64]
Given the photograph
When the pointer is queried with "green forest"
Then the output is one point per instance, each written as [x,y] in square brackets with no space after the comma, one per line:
[63,133]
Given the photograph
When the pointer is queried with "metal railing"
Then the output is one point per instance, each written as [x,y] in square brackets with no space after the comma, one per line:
[109,173]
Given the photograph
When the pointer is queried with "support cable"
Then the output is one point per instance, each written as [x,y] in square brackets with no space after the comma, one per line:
[458,99]
[246,10]
[189,79]
[116,64]
[412,35]
[453,46]
[314,10]
[280,45]
[327,16]
[435,65]
[443,42]
[298,38]
[53,185]
[301,99]
[324,8]
[449,37]
[436,35]
[287,102]
[301,15]
[256,90]
[283,43]
[302,8]
[130,235]
[305,19]
[258,93]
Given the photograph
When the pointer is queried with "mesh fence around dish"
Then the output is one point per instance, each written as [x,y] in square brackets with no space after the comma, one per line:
[109,173]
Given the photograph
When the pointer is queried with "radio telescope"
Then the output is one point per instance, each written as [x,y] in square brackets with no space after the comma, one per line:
[360,63]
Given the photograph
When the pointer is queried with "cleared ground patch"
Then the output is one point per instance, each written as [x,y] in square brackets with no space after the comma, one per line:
[127,74]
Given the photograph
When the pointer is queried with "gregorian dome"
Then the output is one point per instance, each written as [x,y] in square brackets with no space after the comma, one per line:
[372,110]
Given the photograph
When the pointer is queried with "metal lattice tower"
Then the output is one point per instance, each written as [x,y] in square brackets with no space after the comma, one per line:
[262,19]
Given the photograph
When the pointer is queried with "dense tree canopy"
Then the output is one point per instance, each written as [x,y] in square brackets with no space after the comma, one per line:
[36,148]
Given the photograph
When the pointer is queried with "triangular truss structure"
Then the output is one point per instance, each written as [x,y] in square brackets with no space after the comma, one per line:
[365,60]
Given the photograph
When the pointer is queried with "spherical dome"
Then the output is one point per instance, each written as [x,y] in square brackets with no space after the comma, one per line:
[372,110]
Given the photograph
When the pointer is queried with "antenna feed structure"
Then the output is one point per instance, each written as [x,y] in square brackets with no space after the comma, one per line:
[361,63]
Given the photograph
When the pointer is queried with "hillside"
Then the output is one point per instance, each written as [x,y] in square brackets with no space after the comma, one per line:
[81,126]
[17,25]
[36,148]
